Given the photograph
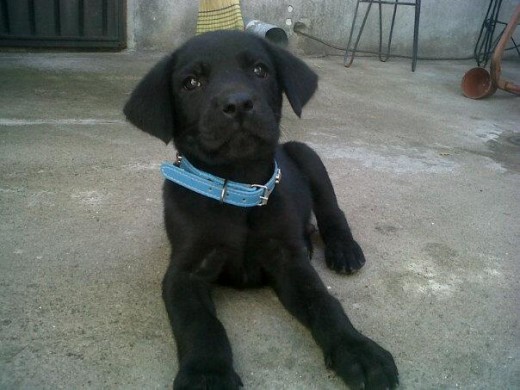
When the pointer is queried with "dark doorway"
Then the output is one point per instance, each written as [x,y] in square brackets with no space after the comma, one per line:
[94,24]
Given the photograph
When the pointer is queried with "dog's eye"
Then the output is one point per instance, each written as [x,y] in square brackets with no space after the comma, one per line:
[191,83]
[260,71]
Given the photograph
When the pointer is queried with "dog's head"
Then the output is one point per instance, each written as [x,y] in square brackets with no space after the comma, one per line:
[219,96]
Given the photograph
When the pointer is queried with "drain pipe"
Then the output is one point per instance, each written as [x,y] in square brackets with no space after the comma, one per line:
[268,31]
[496,65]
[478,83]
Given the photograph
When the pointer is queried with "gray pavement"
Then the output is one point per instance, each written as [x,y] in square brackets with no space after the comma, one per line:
[430,182]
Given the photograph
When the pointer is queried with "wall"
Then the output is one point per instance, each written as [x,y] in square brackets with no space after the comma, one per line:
[448,28]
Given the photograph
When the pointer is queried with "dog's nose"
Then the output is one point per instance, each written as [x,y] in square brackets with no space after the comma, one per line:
[237,104]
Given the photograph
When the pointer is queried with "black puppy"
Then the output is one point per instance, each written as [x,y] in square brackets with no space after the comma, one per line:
[237,204]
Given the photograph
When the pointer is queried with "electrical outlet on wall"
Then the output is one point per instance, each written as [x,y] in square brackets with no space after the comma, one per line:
[302,24]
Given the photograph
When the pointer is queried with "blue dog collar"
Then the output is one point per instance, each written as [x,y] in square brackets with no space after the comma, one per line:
[214,187]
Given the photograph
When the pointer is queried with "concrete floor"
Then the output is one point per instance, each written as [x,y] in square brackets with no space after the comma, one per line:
[430,182]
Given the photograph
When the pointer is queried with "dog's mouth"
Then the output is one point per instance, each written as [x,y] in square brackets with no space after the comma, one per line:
[236,141]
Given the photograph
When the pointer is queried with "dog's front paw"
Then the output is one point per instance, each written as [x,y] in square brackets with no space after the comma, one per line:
[344,256]
[363,364]
[198,379]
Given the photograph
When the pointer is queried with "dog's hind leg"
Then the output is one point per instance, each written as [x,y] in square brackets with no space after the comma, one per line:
[203,348]
[342,252]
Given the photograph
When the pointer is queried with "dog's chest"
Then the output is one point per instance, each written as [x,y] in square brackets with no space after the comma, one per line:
[227,243]
[235,248]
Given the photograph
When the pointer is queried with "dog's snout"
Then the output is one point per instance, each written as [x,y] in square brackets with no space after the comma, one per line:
[237,103]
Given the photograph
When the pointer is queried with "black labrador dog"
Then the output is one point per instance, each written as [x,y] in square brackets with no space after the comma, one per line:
[237,204]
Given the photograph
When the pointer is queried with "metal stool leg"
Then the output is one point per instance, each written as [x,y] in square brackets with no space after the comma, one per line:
[347,62]
[345,59]
[387,54]
[416,34]
[485,44]
[383,56]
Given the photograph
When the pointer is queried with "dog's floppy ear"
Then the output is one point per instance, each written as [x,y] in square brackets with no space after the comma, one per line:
[298,81]
[150,107]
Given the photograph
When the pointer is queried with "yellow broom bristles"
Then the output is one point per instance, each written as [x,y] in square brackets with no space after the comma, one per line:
[219,15]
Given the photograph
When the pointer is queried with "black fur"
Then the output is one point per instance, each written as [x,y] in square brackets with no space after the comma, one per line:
[219,98]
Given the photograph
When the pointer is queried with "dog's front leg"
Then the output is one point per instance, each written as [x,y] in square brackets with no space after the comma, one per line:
[204,352]
[359,361]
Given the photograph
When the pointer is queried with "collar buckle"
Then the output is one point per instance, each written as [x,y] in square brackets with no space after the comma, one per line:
[264,198]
